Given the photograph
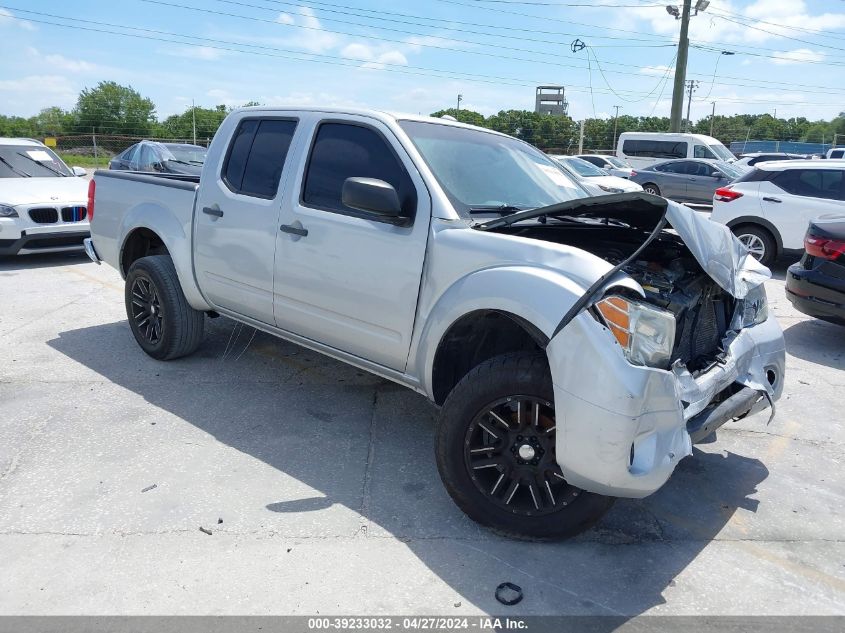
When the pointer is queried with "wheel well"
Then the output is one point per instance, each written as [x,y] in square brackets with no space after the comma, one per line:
[476,337]
[758,223]
[140,243]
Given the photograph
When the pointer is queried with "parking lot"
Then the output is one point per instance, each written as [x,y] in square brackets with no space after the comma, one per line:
[316,490]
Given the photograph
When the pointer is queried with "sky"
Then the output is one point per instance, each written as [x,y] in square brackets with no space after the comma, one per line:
[785,57]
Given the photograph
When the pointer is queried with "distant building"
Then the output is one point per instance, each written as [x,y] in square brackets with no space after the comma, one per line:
[551,100]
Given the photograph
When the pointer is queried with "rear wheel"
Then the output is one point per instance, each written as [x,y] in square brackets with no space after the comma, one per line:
[162,322]
[759,242]
[651,188]
[495,451]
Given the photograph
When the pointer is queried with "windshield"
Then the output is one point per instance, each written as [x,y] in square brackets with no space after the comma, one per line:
[25,161]
[722,152]
[582,167]
[731,170]
[617,162]
[482,169]
[185,153]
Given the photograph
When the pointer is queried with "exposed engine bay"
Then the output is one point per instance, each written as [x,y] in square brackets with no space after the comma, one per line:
[671,277]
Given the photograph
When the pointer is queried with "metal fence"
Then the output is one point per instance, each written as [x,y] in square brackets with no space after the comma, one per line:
[103,147]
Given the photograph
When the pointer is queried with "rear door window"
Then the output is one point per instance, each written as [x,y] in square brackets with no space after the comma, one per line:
[654,149]
[346,150]
[812,183]
[256,157]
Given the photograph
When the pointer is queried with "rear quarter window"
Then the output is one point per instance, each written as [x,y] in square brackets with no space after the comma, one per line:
[257,154]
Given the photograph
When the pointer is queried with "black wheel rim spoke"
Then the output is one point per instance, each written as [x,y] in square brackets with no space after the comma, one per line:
[145,310]
[510,456]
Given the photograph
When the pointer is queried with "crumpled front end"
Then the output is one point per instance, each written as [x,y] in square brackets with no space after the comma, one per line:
[624,425]
[622,428]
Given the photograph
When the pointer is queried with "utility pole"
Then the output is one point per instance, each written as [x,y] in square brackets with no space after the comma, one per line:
[680,70]
[692,84]
[581,139]
[615,119]
[194,120]
[712,117]
[460,98]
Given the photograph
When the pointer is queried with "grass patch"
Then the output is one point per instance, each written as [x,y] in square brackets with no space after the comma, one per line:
[88,162]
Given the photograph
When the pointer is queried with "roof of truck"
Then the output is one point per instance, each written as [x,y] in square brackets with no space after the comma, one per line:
[370,112]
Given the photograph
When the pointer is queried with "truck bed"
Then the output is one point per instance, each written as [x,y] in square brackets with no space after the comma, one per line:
[129,199]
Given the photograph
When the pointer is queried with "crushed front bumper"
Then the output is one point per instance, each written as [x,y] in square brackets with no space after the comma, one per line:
[622,429]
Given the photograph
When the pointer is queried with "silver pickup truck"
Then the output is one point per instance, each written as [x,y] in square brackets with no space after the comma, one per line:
[577,346]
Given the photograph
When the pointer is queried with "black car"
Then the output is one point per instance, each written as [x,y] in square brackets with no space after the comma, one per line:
[816,284]
[163,158]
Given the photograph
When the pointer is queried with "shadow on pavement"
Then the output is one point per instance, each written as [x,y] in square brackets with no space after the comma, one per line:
[817,341]
[47,260]
[368,444]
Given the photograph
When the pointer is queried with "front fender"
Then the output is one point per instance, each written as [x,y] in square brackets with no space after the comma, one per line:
[540,296]
[176,236]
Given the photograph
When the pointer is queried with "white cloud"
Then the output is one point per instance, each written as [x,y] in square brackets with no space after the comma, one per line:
[659,70]
[797,56]
[7,18]
[204,53]
[357,50]
[60,62]
[310,35]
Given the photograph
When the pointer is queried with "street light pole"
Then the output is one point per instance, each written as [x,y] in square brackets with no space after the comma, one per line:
[680,70]
[460,98]
[712,117]
[692,85]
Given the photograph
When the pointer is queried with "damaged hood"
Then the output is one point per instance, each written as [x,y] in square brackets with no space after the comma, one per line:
[720,253]
[717,250]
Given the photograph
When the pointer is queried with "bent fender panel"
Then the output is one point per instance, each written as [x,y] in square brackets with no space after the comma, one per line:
[176,237]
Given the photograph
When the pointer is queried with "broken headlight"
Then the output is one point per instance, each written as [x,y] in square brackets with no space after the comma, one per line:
[755,307]
[646,334]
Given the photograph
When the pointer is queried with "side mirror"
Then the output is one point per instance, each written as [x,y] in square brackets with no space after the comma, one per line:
[375,197]
[717,175]
[79,171]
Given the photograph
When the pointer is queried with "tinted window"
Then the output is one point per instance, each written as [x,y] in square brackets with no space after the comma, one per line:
[702,151]
[655,149]
[814,183]
[147,158]
[681,167]
[342,151]
[233,169]
[756,175]
[598,162]
[257,155]
[837,153]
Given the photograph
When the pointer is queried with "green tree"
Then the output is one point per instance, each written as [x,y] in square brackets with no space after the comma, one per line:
[464,116]
[113,109]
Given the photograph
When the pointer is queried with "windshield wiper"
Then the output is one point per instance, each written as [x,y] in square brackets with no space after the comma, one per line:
[40,164]
[501,209]
[19,172]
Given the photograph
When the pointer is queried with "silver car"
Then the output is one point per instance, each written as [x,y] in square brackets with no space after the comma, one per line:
[686,180]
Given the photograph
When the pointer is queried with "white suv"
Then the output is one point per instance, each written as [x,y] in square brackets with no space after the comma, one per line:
[770,207]
[43,203]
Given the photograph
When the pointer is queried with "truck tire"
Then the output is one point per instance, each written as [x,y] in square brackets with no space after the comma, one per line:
[161,320]
[495,450]
[759,242]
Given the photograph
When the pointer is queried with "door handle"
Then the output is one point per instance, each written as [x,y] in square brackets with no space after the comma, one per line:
[767,199]
[212,211]
[294,230]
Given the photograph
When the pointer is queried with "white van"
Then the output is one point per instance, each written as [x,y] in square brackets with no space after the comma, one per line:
[642,149]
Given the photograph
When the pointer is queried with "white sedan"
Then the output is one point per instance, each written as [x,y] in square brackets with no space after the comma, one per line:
[594,179]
